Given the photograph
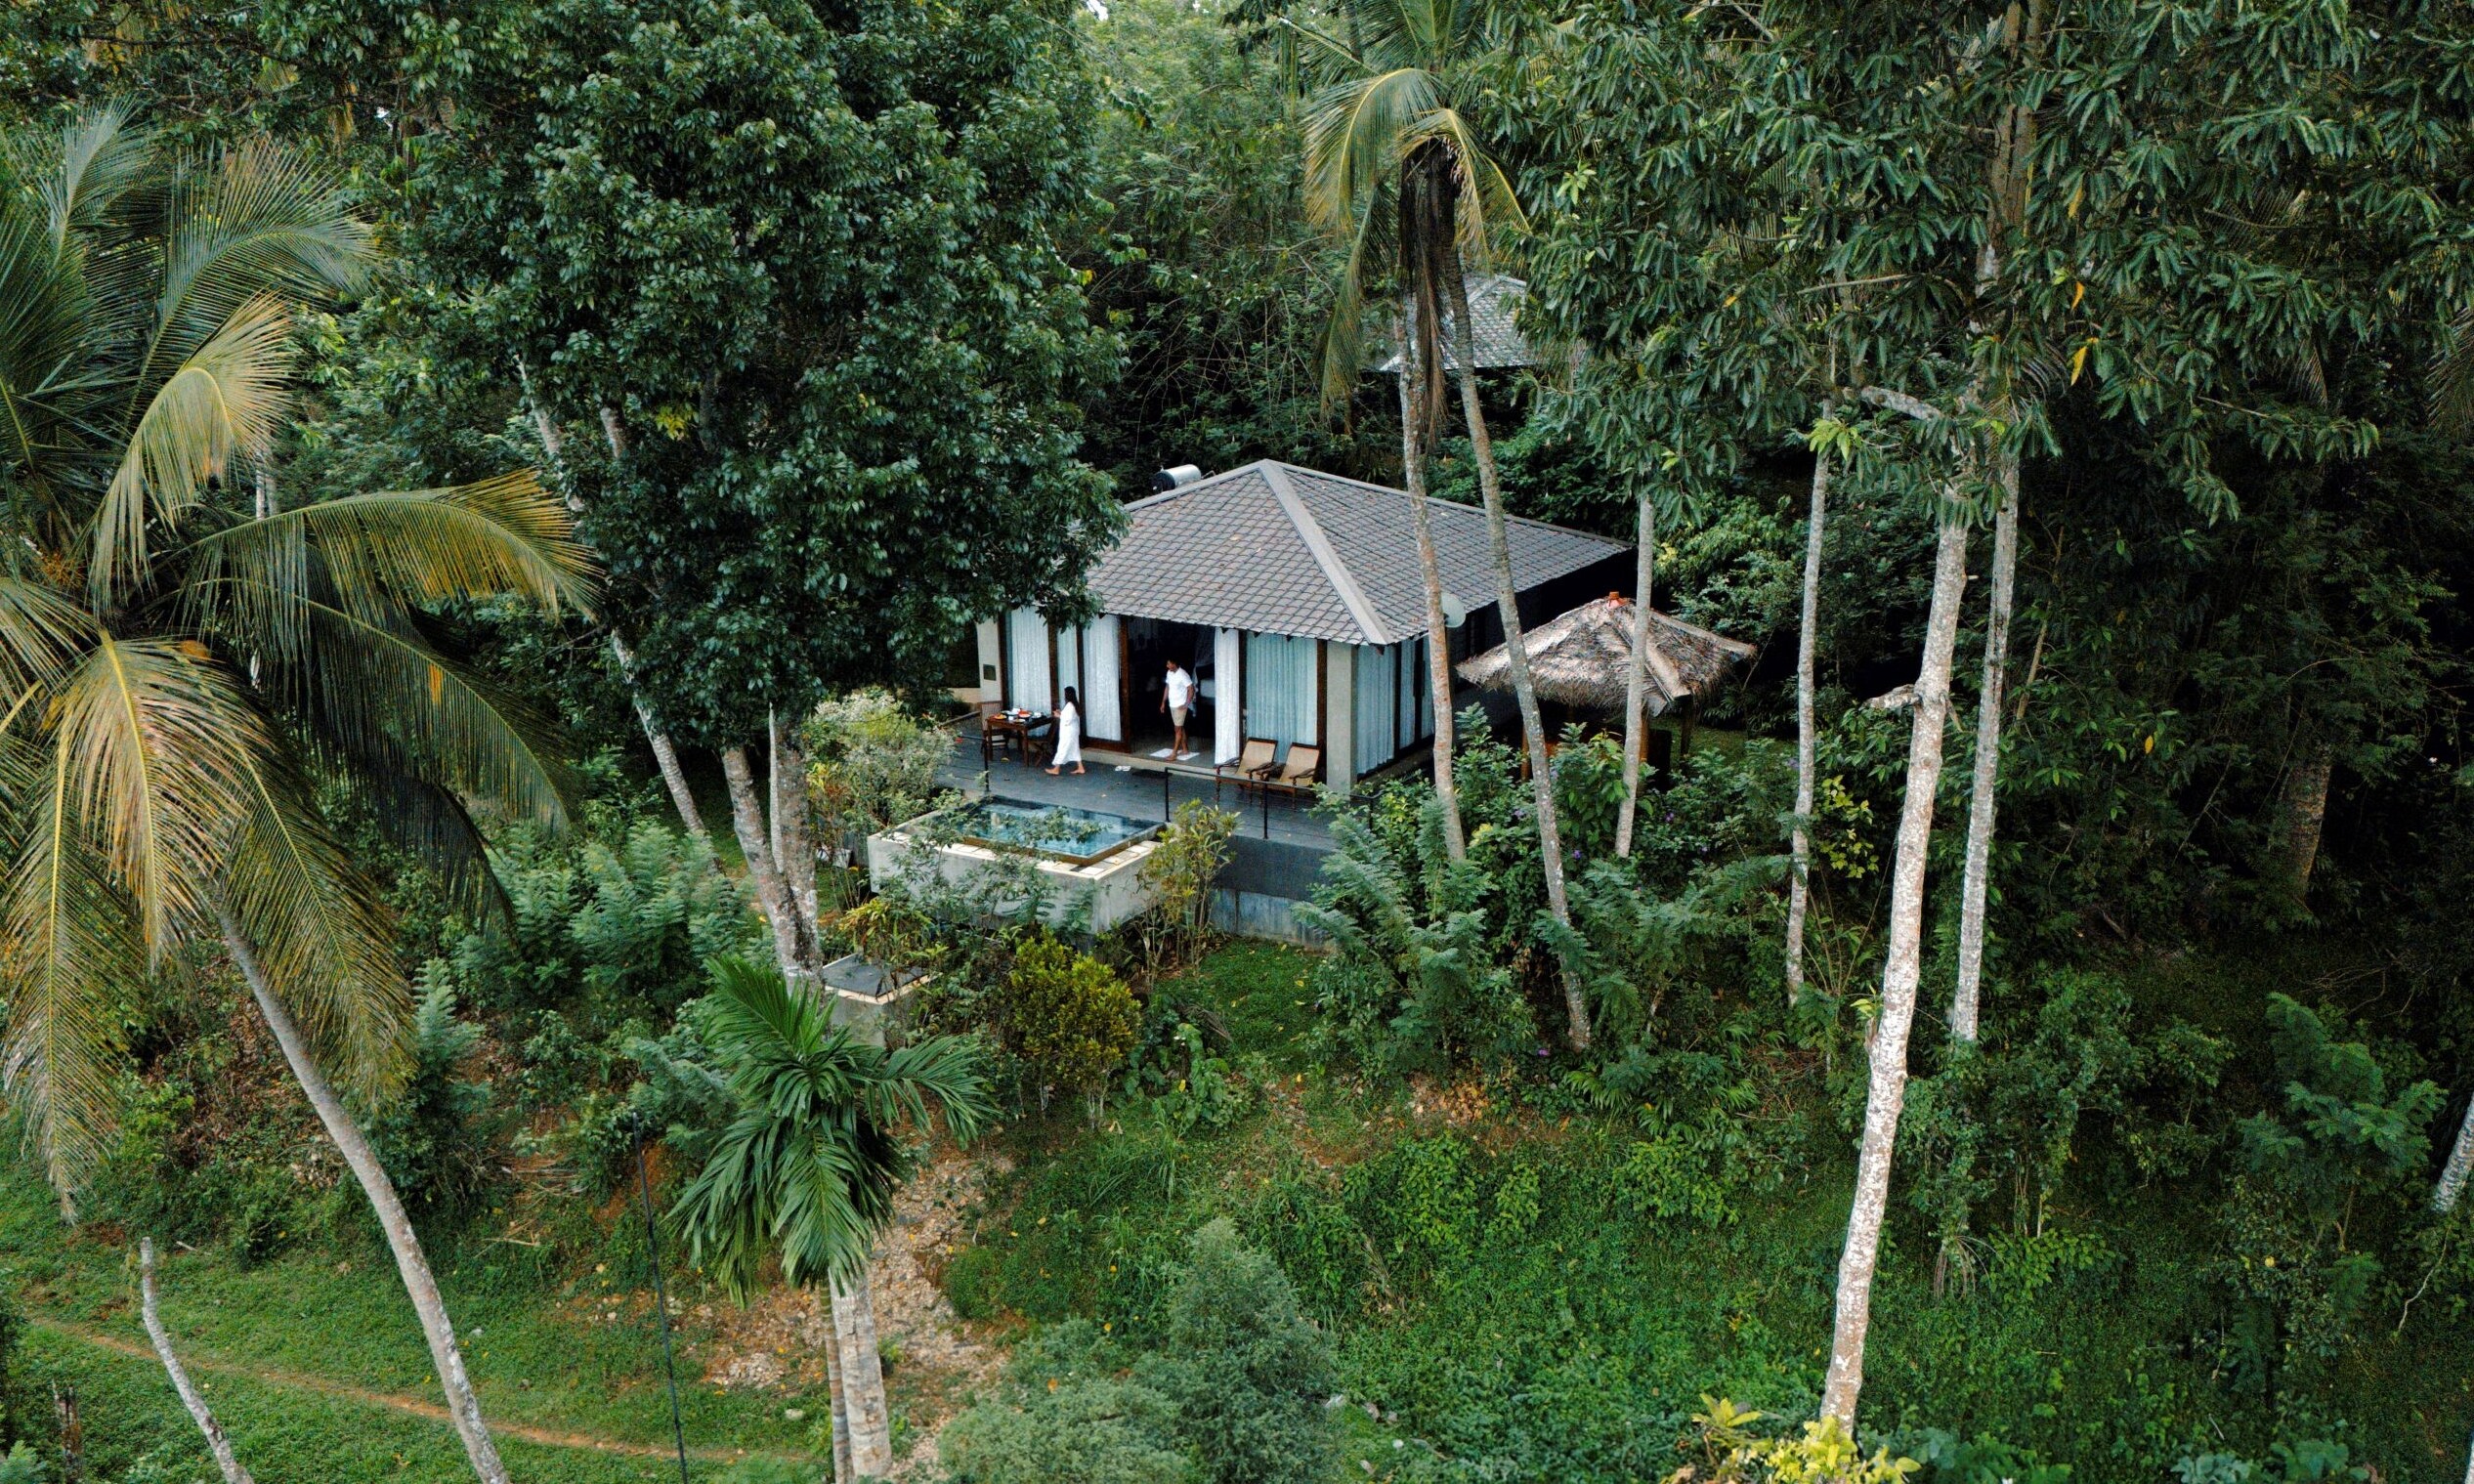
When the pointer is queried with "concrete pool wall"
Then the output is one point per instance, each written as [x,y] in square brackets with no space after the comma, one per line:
[1112,884]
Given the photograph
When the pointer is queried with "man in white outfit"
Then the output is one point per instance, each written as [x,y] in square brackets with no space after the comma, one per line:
[1176,699]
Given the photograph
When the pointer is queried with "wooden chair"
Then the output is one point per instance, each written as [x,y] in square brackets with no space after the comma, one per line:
[997,735]
[1296,771]
[1252,760]
[1295,775]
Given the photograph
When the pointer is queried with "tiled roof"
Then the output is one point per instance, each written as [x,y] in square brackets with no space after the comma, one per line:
[1278,549]
[1493,300]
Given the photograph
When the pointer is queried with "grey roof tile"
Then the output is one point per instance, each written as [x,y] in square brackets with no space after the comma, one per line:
[1278,549]
[1493,300]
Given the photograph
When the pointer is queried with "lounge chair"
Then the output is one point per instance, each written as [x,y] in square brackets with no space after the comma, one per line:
[1252,760]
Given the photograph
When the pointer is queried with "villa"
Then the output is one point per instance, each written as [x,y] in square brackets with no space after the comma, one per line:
[1295,598]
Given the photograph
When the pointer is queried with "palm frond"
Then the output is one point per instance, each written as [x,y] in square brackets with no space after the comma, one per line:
[378,691]
[431,825]
[947,1070]
[1484,202]
[502,535]
[324,937]
[1344,335]
[47,347]
[225,400]
[69,951]
[2453,379]
[160,743]
[1354,134]
[809,1166]
[85,169]
[258,220]
[41,634]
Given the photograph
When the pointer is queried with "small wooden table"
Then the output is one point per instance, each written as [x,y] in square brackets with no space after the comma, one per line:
[1004,730]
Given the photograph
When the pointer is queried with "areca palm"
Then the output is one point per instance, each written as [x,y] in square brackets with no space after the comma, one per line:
[179,660]
[808,1169]
[1393,162]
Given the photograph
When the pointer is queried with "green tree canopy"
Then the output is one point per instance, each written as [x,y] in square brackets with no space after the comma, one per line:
[799,262]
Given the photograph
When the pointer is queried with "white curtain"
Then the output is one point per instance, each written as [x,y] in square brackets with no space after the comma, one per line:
[1102,718]
[1069,664]
[1227,715]
[1376,685]
[1027,675]
[1279,685]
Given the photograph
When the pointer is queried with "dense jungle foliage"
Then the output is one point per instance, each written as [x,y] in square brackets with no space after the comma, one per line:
[832,326]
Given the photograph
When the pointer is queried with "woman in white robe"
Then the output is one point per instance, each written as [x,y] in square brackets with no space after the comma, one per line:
[1069,733]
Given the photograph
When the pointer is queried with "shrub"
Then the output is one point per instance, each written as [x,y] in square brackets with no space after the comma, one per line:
[1178,874]
[434,1138]
[2347,1146]
[871,763]
[1246,1369]
[1822,1452]
[1065,1416]
[1069,1016]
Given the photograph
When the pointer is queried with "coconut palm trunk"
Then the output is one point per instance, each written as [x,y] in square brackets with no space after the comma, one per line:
[1637,675]
[1515,649]
[1886,1091]
[200,1413]
[1965,1002]
[1438,637]
[2443,1196]
[463,1406]
[1807,652]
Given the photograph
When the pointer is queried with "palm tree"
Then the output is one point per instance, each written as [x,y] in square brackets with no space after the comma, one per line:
[180,659]
[1394,163]
[808,1169]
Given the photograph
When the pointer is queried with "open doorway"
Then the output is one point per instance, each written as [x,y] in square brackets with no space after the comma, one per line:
[1150,644]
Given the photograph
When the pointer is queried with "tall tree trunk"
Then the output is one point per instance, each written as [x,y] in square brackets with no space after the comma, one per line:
[1965,1004]
[463,1408]
[793,843]
[1888,1089]
[664,756]
[2306,812]
[1636,673]
[2443,1196]
[773,897]
[838,1397]
[1438,636]
[863,1380]
[1807,649]
[1508,602]
[198,1412]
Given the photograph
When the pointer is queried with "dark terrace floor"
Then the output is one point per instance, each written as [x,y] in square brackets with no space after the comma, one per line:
[1138,789]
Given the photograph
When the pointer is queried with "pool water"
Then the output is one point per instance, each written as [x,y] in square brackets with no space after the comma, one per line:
[1079,835]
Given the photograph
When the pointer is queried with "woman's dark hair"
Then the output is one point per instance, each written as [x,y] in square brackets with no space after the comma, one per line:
[1072,700]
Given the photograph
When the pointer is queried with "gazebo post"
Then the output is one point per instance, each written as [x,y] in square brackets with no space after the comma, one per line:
[1691,714]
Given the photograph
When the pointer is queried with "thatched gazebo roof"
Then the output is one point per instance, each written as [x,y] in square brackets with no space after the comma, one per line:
[1584,658]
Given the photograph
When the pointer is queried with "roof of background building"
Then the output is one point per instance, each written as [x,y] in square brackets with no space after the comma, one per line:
[1493,300]
[1278,549]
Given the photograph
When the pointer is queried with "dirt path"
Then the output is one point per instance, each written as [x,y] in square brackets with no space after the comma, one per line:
[407,1406]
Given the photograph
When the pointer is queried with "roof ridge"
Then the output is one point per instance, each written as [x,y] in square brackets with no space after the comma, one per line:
[1435,501]
[1336,572]
[1162,498]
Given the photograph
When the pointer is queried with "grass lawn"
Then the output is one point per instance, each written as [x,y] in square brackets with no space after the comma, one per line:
[561,1363]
